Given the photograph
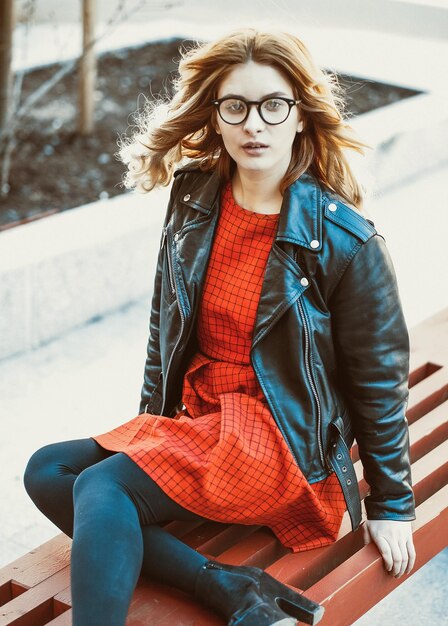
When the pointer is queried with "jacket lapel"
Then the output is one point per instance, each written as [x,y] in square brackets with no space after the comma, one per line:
[281,287]
[300,219]
[300,223]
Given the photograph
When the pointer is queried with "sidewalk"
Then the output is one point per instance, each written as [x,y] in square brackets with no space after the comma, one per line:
[89,381]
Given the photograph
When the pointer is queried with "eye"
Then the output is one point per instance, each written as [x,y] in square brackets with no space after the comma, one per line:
[274,104]
[234,106]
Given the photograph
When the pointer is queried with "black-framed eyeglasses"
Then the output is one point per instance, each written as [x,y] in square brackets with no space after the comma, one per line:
[271,110]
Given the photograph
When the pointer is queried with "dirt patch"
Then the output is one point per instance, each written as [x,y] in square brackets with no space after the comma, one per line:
[54,169]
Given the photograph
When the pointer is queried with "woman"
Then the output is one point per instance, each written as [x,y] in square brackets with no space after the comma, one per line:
[276,337]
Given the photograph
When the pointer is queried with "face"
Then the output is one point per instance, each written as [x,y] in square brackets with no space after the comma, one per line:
[254,81]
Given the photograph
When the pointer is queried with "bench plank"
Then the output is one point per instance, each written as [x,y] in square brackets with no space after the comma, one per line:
[429,431]
[39,564]
[36,605]
[361,581]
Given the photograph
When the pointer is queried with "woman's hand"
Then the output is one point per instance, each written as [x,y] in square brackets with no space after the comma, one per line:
[393,539]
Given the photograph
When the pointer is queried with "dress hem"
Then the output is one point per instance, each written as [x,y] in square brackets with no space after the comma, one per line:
[294,549]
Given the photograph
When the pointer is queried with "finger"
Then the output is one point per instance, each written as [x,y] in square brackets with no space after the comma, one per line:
[397,559]
[385,552]
[412,555]
[404,558]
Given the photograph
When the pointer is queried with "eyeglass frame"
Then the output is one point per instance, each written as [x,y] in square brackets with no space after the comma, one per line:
[289,101]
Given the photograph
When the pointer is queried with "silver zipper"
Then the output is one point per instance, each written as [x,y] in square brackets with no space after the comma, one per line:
[311,381]
[310,377]
[212,565]
[182,325]
[170,266]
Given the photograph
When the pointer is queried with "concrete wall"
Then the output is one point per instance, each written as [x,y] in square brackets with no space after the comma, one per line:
[67,269]
[408,17]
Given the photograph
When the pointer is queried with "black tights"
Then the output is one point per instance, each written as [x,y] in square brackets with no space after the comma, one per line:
[110,507]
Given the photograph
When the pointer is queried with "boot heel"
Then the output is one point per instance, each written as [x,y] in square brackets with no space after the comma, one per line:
[292,603]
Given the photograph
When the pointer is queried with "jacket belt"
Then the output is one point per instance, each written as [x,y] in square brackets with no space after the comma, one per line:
[342,465]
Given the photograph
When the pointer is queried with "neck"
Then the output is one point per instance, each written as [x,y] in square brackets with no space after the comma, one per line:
[257,191]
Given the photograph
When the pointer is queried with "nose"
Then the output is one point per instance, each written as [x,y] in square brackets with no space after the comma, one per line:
[254,122]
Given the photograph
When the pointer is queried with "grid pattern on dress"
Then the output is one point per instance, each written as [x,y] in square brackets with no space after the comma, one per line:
[223,456]
[234,281]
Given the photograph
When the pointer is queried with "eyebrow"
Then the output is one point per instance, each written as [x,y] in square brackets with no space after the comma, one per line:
[268,95]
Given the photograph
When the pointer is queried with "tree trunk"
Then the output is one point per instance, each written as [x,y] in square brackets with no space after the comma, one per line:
[6,28]
[87,68]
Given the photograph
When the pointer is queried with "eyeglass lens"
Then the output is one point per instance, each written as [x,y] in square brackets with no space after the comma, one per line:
[273,111]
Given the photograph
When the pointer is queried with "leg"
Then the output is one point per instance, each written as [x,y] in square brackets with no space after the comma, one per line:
[51,473]
[107,549]
[49,481]
[130,504]
[112,501]
[49,478]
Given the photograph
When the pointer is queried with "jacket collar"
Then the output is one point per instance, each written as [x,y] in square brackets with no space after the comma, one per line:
[300,220]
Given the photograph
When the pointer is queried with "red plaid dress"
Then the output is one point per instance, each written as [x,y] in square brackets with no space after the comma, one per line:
[223,455]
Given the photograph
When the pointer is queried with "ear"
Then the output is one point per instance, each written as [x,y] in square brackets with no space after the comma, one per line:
[300,126]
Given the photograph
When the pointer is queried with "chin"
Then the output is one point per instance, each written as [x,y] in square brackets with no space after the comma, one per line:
[256,164]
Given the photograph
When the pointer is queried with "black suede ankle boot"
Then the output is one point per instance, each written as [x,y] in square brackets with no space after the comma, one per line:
[247,596]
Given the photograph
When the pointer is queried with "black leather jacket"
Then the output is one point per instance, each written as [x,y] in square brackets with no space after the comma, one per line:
[330,346]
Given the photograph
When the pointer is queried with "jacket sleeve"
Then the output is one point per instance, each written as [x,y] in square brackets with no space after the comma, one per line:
[372,347]
[153,367]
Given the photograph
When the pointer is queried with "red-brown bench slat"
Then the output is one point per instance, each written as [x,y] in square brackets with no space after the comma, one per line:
[361,581]
[63,620]
[420,367]
[40,563]
[429,474]
[35,606]
[428,394]
[425,396]
[258,549]
[429,431]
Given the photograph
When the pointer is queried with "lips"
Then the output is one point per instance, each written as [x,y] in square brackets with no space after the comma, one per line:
[255,148]
[254,144]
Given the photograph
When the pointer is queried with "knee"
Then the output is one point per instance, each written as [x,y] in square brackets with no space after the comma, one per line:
[84,482]
[99,491]
[39,470]
[97,484]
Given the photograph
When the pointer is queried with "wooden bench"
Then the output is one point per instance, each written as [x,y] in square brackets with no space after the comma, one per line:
[347,577]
